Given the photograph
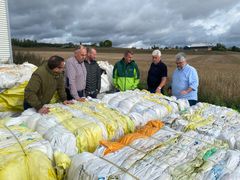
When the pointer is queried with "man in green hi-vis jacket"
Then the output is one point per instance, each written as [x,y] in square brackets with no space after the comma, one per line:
[126,74]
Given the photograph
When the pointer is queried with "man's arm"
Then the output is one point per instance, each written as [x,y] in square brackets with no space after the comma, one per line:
[31,91]
[115,76]
[193,82]
[99,78]
[160,86]
[136,77]
[71,78]
[163,80]
[188,90]
[61,89]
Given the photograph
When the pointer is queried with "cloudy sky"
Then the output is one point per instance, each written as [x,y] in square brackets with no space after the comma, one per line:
[127,23]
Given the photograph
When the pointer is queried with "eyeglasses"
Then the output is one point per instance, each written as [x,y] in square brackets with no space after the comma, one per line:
[60,67]
[181,62]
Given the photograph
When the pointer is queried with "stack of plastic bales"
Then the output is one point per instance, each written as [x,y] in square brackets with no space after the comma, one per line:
[24,154]
[142,106]
[167,154]
[14,78]
[219,122]
[78,127]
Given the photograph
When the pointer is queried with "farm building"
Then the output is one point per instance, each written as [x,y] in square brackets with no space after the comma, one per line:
[200,46]
[5,37]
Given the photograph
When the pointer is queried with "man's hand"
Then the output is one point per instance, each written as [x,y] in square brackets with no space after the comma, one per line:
[44,110]
[81,99]
[158,91]
[184,92]
[67,102]
[169,91]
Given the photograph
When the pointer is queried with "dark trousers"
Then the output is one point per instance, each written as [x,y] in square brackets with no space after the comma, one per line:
[192,102]
[92,94]
[26,105]
[69,96]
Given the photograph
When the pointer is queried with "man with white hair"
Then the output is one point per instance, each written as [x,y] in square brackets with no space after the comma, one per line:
[157,74]
[185,80]
[76,74]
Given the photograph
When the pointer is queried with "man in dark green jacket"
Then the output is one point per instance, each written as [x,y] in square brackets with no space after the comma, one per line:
[126,75]
[45,81]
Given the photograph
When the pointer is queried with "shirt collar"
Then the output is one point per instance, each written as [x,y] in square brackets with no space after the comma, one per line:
[77,62]
[184,67]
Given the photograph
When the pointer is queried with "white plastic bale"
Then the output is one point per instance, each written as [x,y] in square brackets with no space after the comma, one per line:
[137,118]
[12,74]
[62,140]
[48,126]
[106,79]
[6,114]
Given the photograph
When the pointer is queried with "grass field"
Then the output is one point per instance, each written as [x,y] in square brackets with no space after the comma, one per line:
[219,72]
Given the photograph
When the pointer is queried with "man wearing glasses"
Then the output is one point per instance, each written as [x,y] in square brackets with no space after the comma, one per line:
[45,81]
[185,80]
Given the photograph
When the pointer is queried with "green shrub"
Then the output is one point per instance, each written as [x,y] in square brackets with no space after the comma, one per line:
[21,57]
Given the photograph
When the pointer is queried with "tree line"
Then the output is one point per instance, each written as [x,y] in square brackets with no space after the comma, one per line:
[217,47]
[105,43]
[35,43]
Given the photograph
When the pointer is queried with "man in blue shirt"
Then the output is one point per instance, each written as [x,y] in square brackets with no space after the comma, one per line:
[185,80]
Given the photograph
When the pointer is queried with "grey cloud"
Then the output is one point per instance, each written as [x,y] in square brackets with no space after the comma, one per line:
[124,22]
[199,8]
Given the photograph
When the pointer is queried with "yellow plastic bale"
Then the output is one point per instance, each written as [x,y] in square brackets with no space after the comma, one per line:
[150,97]
[88,134]
[17,161]
[62,163]
[12,99]
[111,119]
[32,166]
[196,120]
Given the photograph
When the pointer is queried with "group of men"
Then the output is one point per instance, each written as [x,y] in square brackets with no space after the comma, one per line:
[184,83]
[80,76]
[77,77]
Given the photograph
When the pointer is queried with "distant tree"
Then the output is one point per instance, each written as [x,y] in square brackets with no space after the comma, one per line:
[235,48]
[107,43]
[155,47]
[219,47]
[101,44]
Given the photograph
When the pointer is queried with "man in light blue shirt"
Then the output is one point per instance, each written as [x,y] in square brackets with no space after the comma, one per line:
[185,80]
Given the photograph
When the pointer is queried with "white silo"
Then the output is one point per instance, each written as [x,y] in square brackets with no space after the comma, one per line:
[5,36]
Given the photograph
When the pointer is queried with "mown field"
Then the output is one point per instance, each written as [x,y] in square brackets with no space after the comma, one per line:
[219,72]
